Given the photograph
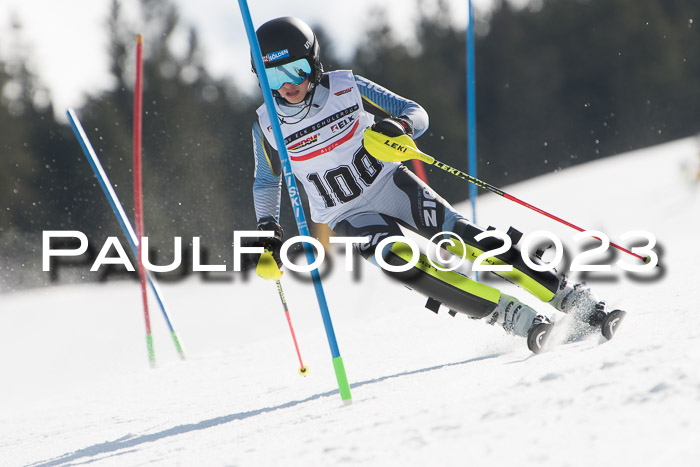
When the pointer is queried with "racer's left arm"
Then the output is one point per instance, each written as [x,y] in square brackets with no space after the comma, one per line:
[383,103]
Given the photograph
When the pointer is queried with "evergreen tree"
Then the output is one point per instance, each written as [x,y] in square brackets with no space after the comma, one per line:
[559,82]
[196,144]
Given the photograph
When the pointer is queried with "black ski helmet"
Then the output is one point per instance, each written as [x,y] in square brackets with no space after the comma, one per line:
[292,35]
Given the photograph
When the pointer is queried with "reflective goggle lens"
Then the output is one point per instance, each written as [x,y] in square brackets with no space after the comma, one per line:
[295,72]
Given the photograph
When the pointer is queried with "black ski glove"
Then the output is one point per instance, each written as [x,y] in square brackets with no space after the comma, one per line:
[271,244]
[394,126]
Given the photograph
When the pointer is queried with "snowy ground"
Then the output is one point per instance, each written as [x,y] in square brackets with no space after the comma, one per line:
[427,390]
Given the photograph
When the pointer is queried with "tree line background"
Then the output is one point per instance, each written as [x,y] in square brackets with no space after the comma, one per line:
[558,83]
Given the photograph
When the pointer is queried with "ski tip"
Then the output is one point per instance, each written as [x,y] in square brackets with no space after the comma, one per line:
[538,336]
[611,323]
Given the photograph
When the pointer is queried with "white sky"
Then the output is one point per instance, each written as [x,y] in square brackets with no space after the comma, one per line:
[70,54]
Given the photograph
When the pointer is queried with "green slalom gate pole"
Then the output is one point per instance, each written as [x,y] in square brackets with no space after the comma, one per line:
[338,365]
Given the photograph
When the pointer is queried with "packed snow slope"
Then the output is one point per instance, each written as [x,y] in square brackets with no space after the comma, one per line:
[427,389]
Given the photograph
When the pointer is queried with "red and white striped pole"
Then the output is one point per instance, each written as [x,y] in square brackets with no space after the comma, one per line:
[138,195]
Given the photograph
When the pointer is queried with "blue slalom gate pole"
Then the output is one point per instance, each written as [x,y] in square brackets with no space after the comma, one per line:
[471,108]
[121,216]
[471,112]
[338,366]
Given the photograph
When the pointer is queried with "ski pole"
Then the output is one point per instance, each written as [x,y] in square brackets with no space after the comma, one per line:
[303,370]
[396,149]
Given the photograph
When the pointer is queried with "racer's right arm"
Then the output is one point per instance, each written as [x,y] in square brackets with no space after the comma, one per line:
[267,187]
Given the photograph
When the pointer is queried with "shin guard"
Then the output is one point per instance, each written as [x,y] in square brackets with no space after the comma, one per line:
[449,288]
[542,285]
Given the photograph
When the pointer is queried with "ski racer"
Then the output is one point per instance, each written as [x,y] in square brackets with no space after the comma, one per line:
[323,116]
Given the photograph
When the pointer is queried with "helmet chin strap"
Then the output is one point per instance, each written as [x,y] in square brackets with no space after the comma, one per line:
[308,100]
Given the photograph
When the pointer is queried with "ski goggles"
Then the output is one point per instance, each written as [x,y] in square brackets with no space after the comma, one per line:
[295,72]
